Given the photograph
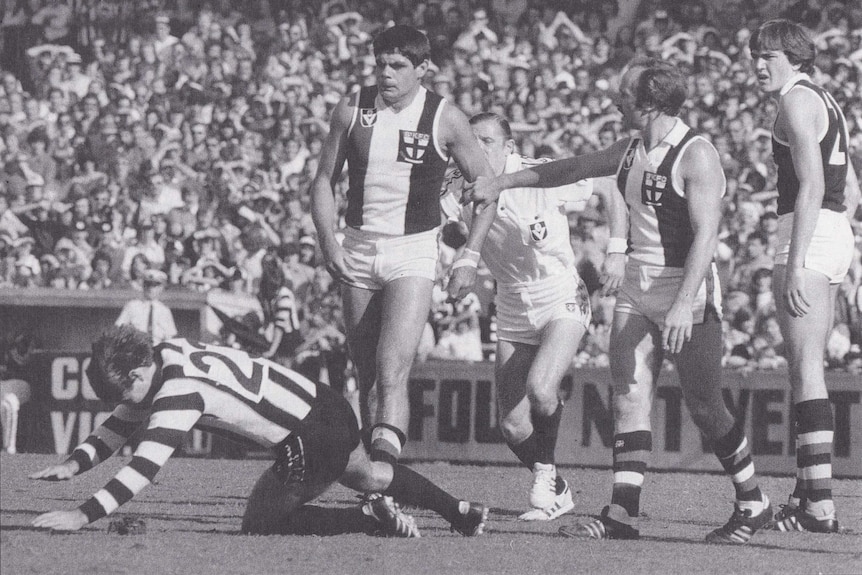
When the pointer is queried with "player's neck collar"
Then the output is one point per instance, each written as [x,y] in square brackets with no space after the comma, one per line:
[792,81]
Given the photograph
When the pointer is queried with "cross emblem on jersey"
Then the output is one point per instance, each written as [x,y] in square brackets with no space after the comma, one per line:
[368,117]
[538,231]
[653,188]
[412,146]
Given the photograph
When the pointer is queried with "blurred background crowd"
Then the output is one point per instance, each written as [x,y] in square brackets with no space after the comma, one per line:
[182,135]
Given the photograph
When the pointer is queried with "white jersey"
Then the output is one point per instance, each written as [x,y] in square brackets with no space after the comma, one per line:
[529,239]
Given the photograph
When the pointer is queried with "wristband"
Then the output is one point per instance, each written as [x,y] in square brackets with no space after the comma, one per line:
[617,246]
[464,263]
[469,254]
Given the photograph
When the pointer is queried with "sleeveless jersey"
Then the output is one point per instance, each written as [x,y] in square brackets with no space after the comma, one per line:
[833,152]
[211,387]
[395,164]
[660,231]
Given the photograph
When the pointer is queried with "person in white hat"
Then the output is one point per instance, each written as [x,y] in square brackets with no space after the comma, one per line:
[147,313]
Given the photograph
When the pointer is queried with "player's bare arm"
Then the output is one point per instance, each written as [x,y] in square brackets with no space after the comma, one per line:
[460,143]
[852,193]
[613,268]
[550,175]
[800,120]
[703,183]
[323,208]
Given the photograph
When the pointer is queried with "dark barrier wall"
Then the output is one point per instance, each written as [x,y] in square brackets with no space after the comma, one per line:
[69,319]
[453,417]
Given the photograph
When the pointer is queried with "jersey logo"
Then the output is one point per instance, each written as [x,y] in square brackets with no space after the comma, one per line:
[367,117]
[653,189]
[571,307]
[412,146]
[538,231]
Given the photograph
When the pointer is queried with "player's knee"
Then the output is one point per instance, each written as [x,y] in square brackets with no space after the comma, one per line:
[543,400]
[514,429]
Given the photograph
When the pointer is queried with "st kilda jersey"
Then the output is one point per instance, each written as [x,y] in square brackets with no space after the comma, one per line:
[660,231]
[395,164]
[833,152]
[216,388]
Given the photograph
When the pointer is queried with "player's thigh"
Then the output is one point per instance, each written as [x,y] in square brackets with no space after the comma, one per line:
[405,307]
[806,335]
[362,326]
[510,374]
[560,341]
[272,499]
[635,358]
[699,365]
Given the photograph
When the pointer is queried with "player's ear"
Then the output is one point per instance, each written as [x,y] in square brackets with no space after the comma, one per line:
[510,146]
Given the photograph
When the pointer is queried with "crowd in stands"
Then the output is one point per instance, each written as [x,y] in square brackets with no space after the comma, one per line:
[184,136]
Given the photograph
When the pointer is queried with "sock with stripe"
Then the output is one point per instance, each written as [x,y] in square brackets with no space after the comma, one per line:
[545,430]
[411,488]
[798,496]
[631,453]
[386,443]
[734,454]
[814,453]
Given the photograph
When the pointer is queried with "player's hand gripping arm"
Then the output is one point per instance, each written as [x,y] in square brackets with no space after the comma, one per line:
[703,182]
[461,145]
[323,208]
[605,162]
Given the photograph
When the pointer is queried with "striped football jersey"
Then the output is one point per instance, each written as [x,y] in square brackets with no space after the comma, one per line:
[660,230]
[395,164]
[220,389]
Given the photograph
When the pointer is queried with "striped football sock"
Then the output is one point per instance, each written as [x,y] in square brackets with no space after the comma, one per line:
[631,453]
[734,454]
[814,449]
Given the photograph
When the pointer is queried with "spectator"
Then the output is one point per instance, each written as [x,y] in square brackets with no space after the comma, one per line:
[146,312]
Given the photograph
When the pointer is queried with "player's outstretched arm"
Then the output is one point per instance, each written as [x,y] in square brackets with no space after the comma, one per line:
[551,175]
[323,208]
[613,268]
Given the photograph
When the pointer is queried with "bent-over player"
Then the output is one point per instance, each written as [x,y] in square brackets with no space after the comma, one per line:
[310,428]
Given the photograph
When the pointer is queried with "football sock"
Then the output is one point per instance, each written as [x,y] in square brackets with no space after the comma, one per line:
[631,452]
[386,443]
[411,488]
[9,407]
[526,451]
[545,430]
[734,454]
[798,494]
[814,449]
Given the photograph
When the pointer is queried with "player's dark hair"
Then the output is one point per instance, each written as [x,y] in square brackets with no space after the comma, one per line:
[788,37]
[116,352]
[405,40]
[660,86]
[501,122]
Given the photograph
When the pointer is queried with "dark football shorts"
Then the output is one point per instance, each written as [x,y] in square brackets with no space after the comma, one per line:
[320,451]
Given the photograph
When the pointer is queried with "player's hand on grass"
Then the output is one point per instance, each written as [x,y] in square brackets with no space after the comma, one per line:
[677,327]
[59,472]
[613,270]
[461,282]
[61,520]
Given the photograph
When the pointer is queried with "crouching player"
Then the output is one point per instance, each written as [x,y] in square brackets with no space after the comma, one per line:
[310,428]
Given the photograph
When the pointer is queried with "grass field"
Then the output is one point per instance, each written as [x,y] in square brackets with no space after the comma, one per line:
[193,514]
